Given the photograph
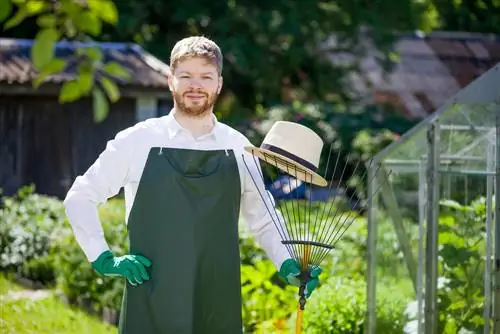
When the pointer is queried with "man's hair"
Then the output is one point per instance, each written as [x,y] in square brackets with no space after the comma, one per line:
[196,46]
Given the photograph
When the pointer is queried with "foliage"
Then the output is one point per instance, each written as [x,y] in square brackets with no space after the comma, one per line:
[269,305]
[76,279]
[273,52]
[30,225]
[462,242]
[279,51]
[70,19]
[266,304]
[339,307]
[470,16]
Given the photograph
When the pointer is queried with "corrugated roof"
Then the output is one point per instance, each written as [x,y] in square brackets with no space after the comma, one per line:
[16,66]
[430,70]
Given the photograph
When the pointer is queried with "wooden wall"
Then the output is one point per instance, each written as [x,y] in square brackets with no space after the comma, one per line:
[49,144]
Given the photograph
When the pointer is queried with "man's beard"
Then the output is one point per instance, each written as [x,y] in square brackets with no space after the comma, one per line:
[194,110]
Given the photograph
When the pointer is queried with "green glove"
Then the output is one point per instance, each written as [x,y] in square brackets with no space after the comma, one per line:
[132,267]
[290,272]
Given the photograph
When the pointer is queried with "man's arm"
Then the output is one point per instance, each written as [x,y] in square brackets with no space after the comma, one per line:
[101,181]
[258,210]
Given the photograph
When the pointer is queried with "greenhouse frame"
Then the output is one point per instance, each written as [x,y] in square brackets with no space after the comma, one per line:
[438,185]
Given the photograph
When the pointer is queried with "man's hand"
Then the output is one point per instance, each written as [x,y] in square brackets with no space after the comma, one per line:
[132,267]
[290,272]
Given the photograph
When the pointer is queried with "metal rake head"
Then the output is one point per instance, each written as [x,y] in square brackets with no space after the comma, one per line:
[308,229]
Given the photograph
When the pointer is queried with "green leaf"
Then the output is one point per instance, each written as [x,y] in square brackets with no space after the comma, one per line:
[46,20]
[70,92]
[56,65]
[5,9]
[85,82]
[105,9]
[34,7]
[459,304]
[448,238]
[72,8]
[94,53]
[111,89]
[88,22]
[454,205]
[115,69]
[42,51]
[101,106]
[18,17]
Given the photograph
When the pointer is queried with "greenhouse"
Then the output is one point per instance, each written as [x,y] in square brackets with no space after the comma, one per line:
[437,187]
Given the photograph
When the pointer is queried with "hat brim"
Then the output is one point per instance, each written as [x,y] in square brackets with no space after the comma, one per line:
[288,166]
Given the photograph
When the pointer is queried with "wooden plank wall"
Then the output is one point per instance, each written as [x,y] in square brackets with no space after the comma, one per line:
[49,144]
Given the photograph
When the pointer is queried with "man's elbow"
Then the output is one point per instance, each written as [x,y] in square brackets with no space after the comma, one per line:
[76,197]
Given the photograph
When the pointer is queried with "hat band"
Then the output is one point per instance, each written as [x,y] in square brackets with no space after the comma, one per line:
[290,156]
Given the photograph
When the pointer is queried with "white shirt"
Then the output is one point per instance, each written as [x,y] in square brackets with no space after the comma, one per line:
[121,165]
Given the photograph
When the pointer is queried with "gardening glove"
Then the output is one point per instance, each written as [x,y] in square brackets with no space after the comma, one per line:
[131,267]
[290,272]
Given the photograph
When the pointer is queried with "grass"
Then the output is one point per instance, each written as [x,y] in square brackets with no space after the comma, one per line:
[44,316]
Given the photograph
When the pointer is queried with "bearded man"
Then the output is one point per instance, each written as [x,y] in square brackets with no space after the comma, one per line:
[185,185]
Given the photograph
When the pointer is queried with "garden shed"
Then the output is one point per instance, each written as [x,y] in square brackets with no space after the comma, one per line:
[436,188]
[45,143]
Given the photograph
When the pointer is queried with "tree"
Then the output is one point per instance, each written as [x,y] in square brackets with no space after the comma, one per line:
[71,19]
[480,16]
[274,51]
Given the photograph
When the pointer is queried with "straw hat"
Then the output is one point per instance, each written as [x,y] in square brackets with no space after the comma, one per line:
[294,149]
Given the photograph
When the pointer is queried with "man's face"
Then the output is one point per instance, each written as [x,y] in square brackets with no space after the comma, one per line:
[195,85]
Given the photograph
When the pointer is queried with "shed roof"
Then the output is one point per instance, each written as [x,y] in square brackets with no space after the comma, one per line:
[431,68]
[16,67]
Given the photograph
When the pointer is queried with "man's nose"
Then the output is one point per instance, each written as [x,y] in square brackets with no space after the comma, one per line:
[195,83]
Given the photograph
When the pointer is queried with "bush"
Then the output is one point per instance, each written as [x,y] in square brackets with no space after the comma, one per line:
[339,307]
[267,304]
[31,223]
[76,279]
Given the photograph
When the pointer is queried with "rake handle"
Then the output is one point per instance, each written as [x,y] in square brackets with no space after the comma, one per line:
[304,279]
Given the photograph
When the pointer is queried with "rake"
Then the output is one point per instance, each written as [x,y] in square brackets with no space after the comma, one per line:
[308,236]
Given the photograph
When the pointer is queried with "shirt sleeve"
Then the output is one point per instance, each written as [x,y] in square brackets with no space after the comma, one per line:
[102,180]
[264,220]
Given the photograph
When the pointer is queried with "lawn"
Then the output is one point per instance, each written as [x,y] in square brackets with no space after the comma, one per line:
[43,316]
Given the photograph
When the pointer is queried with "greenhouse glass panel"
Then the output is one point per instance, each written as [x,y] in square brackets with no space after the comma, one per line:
[434,237]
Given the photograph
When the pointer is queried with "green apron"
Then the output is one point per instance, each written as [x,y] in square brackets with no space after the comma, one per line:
[185,220]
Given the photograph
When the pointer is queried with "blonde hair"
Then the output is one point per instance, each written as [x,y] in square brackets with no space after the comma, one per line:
[196,46]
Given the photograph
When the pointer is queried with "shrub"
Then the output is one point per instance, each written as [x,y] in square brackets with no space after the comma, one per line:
[267,304]
[76,279]
[339,307]
[30,224]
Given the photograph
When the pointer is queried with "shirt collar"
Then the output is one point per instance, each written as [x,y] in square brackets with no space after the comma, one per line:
[174,128]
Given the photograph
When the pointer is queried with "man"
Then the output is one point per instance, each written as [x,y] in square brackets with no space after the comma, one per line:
[185,185]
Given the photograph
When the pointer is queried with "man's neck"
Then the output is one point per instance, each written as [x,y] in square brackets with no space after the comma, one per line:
[196,125]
